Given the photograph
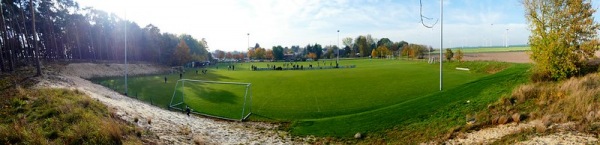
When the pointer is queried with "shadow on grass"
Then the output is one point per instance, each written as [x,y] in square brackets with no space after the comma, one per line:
[212,95]
[209,76]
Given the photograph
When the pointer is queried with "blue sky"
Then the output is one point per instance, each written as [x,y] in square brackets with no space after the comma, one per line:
[225,23]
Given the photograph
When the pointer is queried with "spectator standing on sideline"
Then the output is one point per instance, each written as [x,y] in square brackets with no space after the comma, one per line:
[187,110]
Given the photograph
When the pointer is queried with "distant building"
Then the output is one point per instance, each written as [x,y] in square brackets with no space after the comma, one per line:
[288,57]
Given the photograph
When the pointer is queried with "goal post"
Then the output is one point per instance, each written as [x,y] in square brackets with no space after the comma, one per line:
[224,100]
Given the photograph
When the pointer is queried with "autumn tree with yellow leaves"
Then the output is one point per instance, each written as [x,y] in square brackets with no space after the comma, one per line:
[563,37]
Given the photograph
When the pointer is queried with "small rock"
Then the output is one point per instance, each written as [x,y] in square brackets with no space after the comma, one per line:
[591,116]
[357,135]
[516,117]
[503,120]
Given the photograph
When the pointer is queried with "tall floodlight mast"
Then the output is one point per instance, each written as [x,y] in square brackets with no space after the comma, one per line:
[248,54]
[441,40]
[338,48]
[506,38]
[126,66]
[441,34]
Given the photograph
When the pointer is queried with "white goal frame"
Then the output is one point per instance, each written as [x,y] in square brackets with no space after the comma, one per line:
[247,98]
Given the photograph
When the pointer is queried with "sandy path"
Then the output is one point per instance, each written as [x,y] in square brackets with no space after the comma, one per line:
[563,138]
[168,127]
[489,135]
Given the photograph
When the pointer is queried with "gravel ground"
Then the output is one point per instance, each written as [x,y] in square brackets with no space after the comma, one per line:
[489,135]
[165,127]
[563,138]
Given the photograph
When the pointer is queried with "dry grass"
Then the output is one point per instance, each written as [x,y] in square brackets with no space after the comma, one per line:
[59,116]
[540,127]
[572,100]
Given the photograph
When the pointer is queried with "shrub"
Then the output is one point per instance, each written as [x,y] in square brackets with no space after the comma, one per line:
[459,55]
[449,54]
[539,76]
[540,127]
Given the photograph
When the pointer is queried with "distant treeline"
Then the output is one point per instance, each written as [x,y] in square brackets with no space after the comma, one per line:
[361,46]
[65,32]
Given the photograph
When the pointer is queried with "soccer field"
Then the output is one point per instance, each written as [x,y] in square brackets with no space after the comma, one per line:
[304,94]
[375,95]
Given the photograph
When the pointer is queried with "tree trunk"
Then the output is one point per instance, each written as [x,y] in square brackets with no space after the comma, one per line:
[13,44]
[26,43]
[93,51]
[37,59]
[3,39]
[77,39]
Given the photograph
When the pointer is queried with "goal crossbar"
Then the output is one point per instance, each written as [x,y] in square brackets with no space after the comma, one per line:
[247,97]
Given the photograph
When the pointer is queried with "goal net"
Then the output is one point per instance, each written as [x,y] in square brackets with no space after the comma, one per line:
[177,69]
[225,100]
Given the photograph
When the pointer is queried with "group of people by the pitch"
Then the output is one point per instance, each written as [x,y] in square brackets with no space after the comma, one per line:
[204,71]
[292,65]
[229,67]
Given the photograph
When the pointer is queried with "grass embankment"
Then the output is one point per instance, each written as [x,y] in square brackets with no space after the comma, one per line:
[574,100]
[59,116]
[421,119]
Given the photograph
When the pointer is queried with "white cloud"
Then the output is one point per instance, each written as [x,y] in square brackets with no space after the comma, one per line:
[224,23]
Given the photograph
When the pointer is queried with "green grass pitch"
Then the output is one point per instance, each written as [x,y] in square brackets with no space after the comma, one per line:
[311,95]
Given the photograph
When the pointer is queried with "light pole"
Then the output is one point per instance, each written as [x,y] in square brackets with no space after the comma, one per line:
[338,49]
[126,66]
[491,40]
[441,40]
[248,53]
[506,38]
